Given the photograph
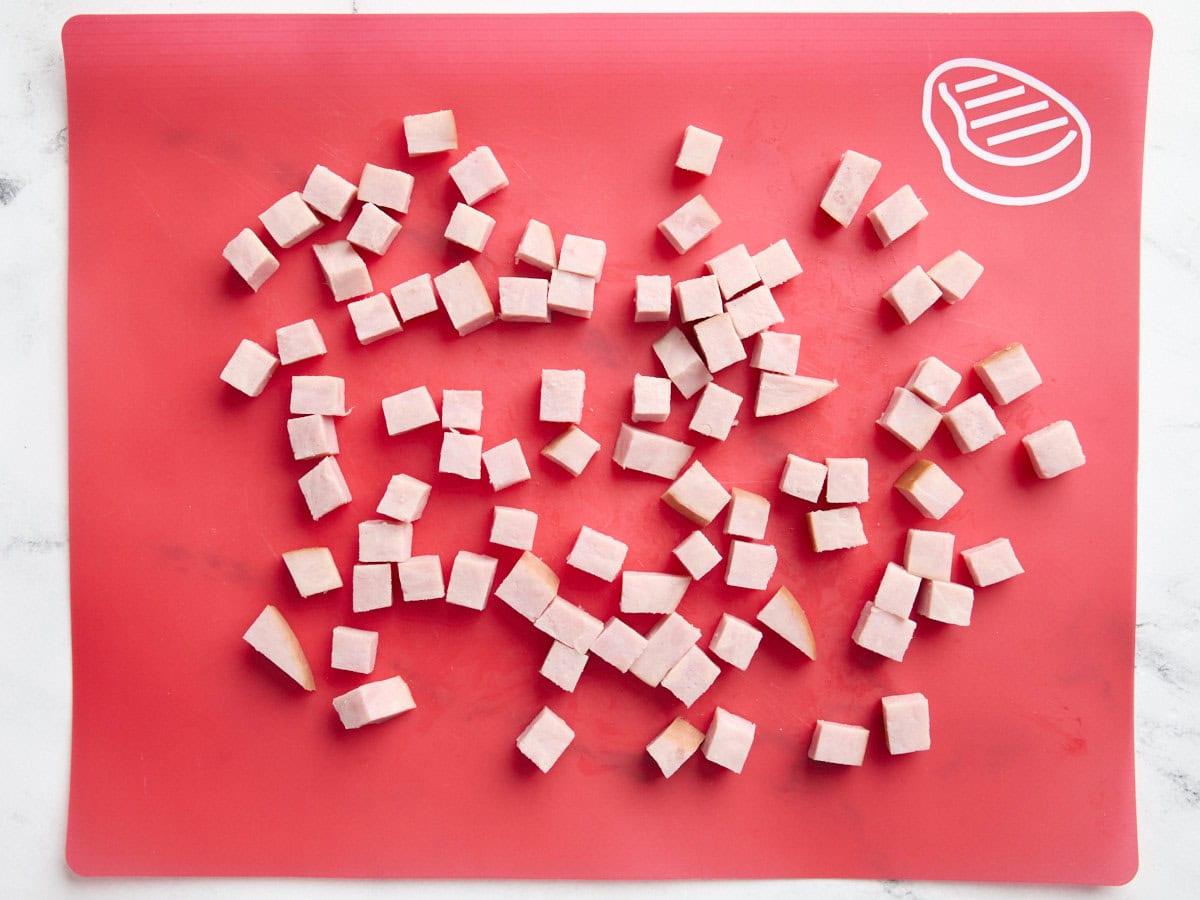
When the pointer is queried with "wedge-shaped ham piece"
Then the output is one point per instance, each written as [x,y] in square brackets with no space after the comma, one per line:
[271,636]
[784,616]
[779,394]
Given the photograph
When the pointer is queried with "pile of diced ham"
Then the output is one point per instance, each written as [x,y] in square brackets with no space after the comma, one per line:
[725,315]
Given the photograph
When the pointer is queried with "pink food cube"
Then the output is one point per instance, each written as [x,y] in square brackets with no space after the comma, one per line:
[674,746]
[992,562]
[836,742]
[728,740]
[906,722]
[1054,449]
[909,419]
[883,632]
[690,224]
[372,586]
[471,577]
[544,739]
[250,368]
[250,258]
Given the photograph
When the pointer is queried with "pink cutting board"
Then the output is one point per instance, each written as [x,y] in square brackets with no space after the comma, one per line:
[192,755]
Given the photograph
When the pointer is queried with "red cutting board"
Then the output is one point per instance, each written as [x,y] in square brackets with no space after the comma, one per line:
[192,755]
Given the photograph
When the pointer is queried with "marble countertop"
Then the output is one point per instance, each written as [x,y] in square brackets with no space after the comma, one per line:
[34,640]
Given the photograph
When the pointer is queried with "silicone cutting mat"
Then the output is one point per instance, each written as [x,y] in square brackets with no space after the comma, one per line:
[192,755]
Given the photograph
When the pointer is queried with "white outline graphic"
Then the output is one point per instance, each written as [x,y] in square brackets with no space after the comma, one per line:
[1083,134]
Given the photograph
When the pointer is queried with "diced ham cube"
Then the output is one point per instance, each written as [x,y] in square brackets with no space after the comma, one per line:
[784,616]
[387,188]
[1054,449]
[912,295]
[972,423]
[934,381]
[529,586]
[462,410]
[313,570]
[469,227]
[345,272]
[992,562]
[536,247]
[571,294]
[750,565]
[803,478]
[354,649]
[597,554]
[665,645]
[735,641]
[697,554]
[719,342]
[652,300]
[909,419]
[271,636]
[906,723]
[929,554]
[544,739]
[846,480]
[478,175]
[569,624]
[697,495]
[404,499]
[883,632]
[433,132]
[289,220]
[562,395]
[573,450]
[373,230]
[654,454]
[471,577]
[414,297]
[524,299]
[682,364]
[853,178]
[728,740]
[1008,373]
[299,341]
[329,193]
[563,666]
[776,263]
[734,270]
[462,455]
[674,746]
[690,224]
[372,587]
[651,398]
[652,592]
[322,395]
[421,578]
[698,298]
[840,528]
[505,464]
[374,318]
[376,701]
[748,515]
[250,368]
[897,591]
[382,541]
[716,412]
[754,312]
[689,678]
[775,351]
[945,601]
[699,151]
[835,742]
[897,215]
[928,488]
[409,410]
[324,488]
[582,256]
[779,394]
[618,645]
[513,527]
[312,437]
[465,298]
[955,274]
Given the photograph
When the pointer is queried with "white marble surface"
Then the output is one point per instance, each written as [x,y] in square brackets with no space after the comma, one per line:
[34,636]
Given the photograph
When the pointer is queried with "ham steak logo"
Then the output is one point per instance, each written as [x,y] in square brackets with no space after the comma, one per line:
[1004,136]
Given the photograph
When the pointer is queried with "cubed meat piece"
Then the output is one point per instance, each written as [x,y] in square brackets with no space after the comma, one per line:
[775,351]
[776,263]
[373,230]
[883,632]
[784,616]
[853,178]
[469,227]
[803,478]
[289,220]
[505,464]
[682,364]
[909,419]
[836,529]
[271,636]
[779,394]
[462,410]
[471,577]
[748,515]
[697,554]
[690,224]
[847,480]
[929,554]
[322,395]
[569,624]
[415,297]
[562,395]
[689,678]
[597,554]
[513,527]
[354,649]
[1008,373]
[992,562]
[382,541]
[409,410]
[927,487]
[719,342]
[674,746]
[697,495]
[651,398]
[652,592]
[934,381]
[250,368]
[945,601]
[735,641]
[572,450]
[376,701]
[734,270]
[421,578]
[524,299]
[387,188]
[329,193]
[618,645]
[955,274]
[313,570]
[972,423]
[299,341]
[716,412]
[698,298]
[835,742]
[478,175]
[372,587]
[699,151]
[652,298]
[404,499]
[897,591]
[536,247]
[906,723]
[324,488]
[462,455]
[312,437]
[728,740]
[344,270]
[433,132]
[912,295]
[654,454]
[665,645]
[374,318]
[544,739]
[897,215]
[529,586]
[582,256]
[750,565]
[1054,449]
[563,666]
[754,312]
[571,294]
[465,298]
